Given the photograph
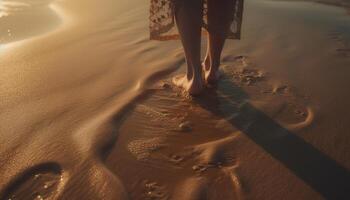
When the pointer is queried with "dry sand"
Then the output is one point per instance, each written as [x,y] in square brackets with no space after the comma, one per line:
[88,111]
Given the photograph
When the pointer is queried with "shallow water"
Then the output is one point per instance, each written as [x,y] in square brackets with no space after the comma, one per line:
[69,81]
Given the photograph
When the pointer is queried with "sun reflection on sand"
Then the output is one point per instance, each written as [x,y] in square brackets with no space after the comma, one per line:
[22,19]
[2,47]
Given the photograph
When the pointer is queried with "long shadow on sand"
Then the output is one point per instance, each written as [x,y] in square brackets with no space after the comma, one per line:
[315,168]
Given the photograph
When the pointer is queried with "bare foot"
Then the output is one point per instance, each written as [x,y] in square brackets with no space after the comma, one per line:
[211,76]
[193,87]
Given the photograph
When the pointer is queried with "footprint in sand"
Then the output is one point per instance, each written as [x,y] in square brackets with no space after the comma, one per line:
[289,107]
[212,155]
[200,188]
[155,191]
[176,159]
[216,153]
[239,189]
[280,89]
[237,60]
[242,71]
[307,116]
[215,169]
[40,182]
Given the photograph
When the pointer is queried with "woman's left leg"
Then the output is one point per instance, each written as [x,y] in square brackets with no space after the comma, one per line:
[219,21]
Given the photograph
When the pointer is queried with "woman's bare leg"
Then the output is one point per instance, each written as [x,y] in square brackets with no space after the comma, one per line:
[189,16]
[219,21]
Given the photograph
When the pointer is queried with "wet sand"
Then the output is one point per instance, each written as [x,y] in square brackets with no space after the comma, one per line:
[88,110]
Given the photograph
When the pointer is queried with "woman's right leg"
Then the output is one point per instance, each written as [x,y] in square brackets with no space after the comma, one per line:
[189,15]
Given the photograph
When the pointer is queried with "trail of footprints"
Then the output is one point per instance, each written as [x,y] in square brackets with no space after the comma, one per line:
[208,162]
[215,160]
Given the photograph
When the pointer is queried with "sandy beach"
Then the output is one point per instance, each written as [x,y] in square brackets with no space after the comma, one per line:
[89,111]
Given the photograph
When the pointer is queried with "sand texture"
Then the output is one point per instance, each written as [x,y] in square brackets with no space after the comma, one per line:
[88,109]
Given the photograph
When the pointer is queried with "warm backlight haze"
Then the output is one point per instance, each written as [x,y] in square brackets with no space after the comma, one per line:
[88,109]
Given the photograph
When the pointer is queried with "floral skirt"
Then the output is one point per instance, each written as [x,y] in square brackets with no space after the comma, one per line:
[162,20]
